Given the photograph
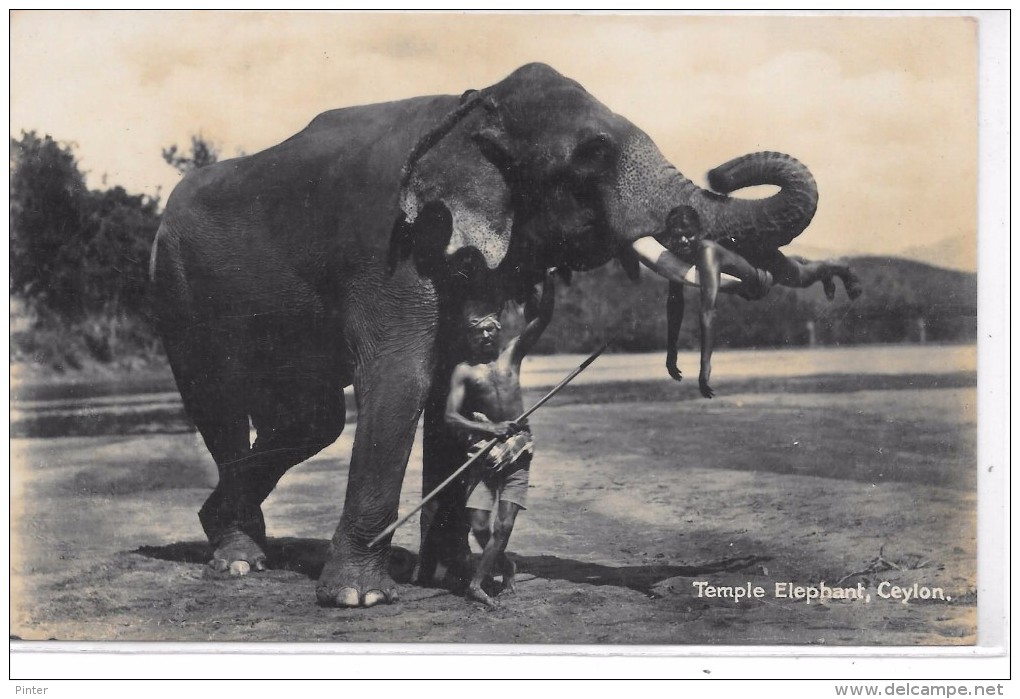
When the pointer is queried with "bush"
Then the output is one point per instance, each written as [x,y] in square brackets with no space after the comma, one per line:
[78,261]
[75,252]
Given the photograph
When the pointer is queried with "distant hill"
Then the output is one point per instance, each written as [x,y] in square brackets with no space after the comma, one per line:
[957,251]
[930,289]
[903,301]
[817,252]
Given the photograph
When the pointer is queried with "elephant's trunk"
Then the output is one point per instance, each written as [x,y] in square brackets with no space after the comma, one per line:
[649,188]
[771,222]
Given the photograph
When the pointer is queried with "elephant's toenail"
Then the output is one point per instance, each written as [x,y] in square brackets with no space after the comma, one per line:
[374,597]
[348,597]
[218,564]
[240,568]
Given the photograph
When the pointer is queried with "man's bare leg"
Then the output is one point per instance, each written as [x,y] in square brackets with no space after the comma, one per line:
[480,528]
[509,574]
[799,272]
[506,517]
[495,550]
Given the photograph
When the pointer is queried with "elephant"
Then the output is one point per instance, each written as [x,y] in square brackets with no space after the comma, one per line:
[339,257]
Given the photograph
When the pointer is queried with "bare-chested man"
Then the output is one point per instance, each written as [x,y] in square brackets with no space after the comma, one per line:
[747,268]
[714,269]
[484,399]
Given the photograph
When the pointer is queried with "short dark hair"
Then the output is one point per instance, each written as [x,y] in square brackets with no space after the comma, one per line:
[683,226]
[684,220]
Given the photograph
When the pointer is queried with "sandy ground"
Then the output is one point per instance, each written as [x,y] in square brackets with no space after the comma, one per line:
[639,491]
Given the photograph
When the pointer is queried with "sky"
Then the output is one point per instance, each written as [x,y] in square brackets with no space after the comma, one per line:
[883,110]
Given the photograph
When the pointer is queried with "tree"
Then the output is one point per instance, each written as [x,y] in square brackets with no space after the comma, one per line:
[121,228]
[75,251]
[47,235]
[202,153]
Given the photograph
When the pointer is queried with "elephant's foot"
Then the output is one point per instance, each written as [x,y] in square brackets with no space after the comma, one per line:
[351,586]
[447,577]
[426,569]
[237,554]
[417,578]
[428,576]
[221,522]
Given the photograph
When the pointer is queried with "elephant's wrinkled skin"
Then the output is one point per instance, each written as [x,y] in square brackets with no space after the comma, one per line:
[338,256]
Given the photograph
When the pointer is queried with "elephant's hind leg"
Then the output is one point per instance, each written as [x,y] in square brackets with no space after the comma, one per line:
[235,531]
[291,426]
[235,528]
[209,378]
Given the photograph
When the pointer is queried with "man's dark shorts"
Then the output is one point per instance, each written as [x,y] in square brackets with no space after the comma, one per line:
[503,477]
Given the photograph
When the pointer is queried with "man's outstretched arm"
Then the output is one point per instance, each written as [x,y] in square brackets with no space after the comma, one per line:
[674,319]
[538,314]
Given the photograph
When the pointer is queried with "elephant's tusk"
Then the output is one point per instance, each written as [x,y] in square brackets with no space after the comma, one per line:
[657,258]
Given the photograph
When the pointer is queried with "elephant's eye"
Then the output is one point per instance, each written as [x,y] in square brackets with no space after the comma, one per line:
[595,153]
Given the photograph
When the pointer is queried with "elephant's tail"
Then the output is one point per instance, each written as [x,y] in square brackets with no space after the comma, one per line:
[169,293]
[152,255]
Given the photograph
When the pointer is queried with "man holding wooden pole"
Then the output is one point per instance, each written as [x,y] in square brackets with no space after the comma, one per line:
[488,385]
[485,403]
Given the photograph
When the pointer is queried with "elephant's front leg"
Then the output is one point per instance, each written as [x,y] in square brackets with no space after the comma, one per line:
[391,393]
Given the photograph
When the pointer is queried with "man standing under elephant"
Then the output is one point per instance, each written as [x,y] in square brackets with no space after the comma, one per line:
[484,398]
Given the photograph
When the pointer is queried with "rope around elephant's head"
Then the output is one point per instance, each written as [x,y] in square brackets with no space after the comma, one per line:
[470,100]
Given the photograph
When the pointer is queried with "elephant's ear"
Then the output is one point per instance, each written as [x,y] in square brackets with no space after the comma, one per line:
[464,171]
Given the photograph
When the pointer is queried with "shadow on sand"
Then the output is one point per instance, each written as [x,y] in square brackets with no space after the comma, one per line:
[640,578]
[307,556]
